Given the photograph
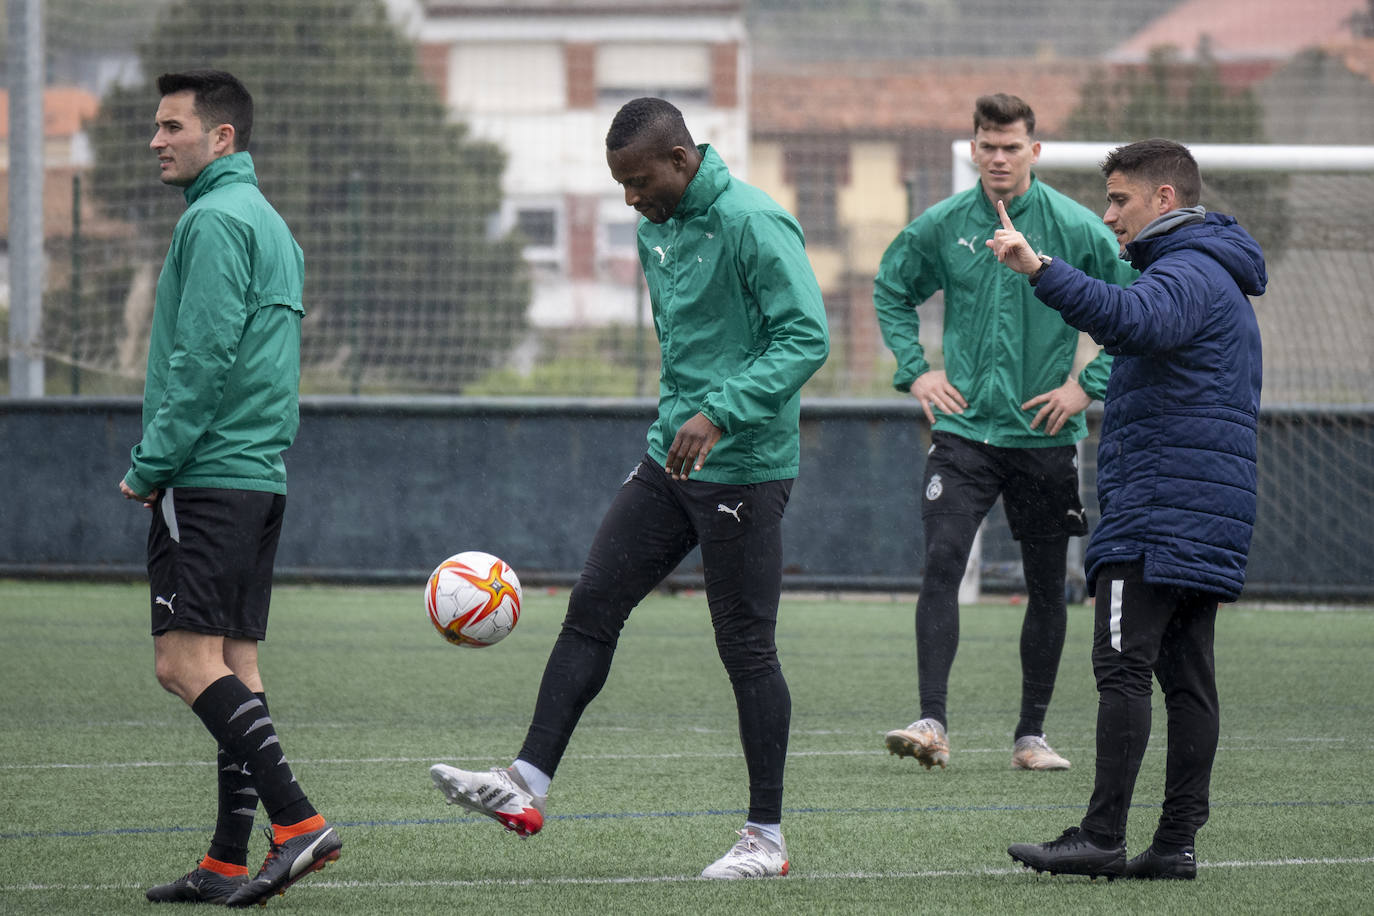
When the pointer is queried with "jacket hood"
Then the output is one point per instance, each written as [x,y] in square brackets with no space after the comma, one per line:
[1218,236]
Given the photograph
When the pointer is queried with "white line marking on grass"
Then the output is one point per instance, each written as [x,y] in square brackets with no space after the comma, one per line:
[1156,747]
[554,881]
[655,879]
[131,764]
[804,876]
[1276,863]
[353,761]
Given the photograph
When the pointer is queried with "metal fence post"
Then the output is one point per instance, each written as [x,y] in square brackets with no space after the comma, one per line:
[24,73]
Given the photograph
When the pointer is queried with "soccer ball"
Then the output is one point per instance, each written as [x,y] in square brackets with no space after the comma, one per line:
[473,599]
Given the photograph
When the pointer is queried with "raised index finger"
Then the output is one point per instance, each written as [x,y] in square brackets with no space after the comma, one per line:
[1002,214]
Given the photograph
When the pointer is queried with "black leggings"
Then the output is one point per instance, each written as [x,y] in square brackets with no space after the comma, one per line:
[652,524]
[948,541]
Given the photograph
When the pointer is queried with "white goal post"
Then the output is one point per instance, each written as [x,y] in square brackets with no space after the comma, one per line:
[1088,155]
[1231,157]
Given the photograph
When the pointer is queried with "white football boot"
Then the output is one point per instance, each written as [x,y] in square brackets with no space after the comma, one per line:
[1032,752]
[923,739]
[753,856]
[499,793]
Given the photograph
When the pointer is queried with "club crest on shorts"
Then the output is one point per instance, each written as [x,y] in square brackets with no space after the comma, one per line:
[934,488]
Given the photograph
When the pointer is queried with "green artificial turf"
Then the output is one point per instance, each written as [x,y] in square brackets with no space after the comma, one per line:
[107,782]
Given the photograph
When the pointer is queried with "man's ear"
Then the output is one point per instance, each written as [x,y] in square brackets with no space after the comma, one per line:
[223,142]
[1165,199]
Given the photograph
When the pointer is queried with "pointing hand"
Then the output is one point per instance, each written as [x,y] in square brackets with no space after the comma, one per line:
[1011,246]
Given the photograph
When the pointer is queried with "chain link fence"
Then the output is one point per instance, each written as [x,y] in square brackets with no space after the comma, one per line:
[441,163]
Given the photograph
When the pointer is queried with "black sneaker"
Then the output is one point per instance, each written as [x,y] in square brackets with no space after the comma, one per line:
[1071,854]
[200,885]
[1151,865]
[287,863]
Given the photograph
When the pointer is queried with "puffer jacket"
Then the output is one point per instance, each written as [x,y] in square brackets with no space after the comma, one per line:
[1176,471]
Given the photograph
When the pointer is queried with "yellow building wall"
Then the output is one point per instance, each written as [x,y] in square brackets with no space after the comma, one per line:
[766,171]
[873,208]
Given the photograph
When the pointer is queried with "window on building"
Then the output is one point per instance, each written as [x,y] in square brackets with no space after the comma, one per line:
[540,225]
[817,171]
[620,238]
[507,77]
[680,73]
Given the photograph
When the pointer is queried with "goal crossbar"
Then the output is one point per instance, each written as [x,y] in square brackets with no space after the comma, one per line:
[1235,157]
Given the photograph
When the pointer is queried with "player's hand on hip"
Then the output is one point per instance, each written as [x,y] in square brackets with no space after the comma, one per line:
[1011,246]
[933,390]
[1057,406]
[690,447]
[128,493]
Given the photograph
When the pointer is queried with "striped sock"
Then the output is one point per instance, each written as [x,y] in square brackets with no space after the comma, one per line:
[228,869]
[239,721]
[280,833]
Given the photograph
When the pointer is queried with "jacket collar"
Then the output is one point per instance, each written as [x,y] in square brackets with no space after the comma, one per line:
[1018,204]
[1170,221]
[710,180]
[1138,249]
[235,167]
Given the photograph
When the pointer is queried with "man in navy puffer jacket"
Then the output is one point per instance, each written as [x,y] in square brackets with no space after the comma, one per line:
[1176,481]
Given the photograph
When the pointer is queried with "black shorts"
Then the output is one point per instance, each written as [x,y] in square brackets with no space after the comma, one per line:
[1038,486]
[210,559]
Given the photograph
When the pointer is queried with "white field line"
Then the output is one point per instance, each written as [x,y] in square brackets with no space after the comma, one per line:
[554,881]
[1260,744]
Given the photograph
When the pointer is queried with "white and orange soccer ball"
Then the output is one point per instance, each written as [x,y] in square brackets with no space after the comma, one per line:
[473,599]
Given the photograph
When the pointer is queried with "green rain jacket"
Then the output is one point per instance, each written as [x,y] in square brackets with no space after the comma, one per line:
[220,402]
[740,322]
[1002,347]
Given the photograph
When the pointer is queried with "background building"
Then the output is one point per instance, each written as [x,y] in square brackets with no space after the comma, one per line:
[543,80]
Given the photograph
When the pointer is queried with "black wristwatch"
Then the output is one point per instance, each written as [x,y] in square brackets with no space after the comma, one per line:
[1039,271]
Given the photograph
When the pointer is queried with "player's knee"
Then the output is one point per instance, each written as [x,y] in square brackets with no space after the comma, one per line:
[743,669]
[945,562]
[594,614]
[170,674]
[945,550]
[183,673]
[747,656]
[1127,678]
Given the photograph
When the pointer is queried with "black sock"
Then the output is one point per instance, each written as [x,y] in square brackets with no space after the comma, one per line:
[239,721]
[238,806]
[1042,630]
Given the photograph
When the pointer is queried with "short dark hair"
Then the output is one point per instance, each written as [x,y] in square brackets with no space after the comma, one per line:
[219,99]
[1001,110]
[649,119]
[1158,162]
